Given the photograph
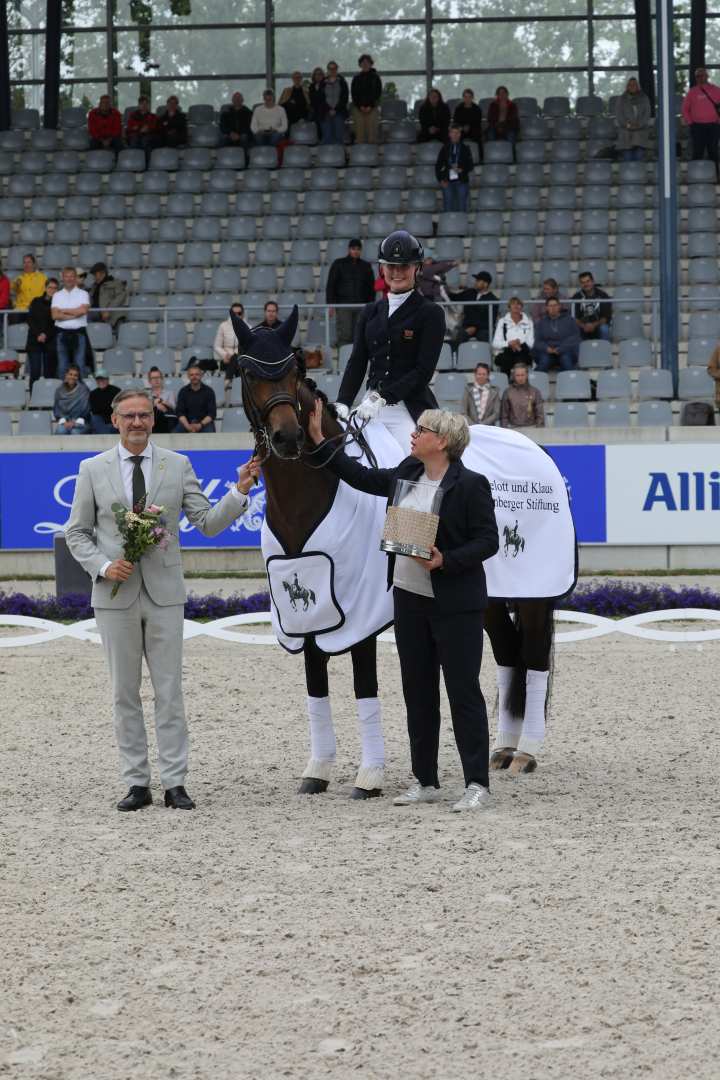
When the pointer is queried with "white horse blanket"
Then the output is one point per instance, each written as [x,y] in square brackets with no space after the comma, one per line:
[336,589]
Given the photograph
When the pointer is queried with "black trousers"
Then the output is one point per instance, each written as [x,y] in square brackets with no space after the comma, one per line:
[426,642]
[705,137]
[505,360]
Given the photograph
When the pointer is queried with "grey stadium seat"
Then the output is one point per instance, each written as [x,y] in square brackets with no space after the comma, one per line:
[128,256]
[119,183]
[702,245]
[205,135]
[598,172]
[557,247]
[654,384]
[637,353]
[263,157]
[595,354]
[612,414]
[521,247]
[527,153]
[471,353]
[499,152]
[613,384]
[570,414]
[699,351]
[556,106]
[43,393]
[694,384]
[572,386]
[159,357]
[119,361]
[234,253]
[485,248]
[12,391]
[703,272]
[523,223]
[449,386]
[5,424]
[170,230]
[206,229]
[235,420]
[130,161]
[163,254]
[299,278]
[155,280]
[270,253]
[626,325]
[100,335]
[134,335]
[262,278]
[225,279]
[706,324]
[654,414]
[215,203]
[155,183]
[34,423]
[541,381]
[190,182]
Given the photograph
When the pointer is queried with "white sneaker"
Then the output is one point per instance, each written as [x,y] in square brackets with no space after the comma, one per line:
[476,797]
[417,794]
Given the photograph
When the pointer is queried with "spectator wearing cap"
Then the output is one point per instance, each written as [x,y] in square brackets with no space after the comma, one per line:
[295,100]
[478,319]
[143,129]
[101,399]
[430,281]
[40,345]
[269,122]
[350,281]
[366,91]
[557,339]
[105,126]
[172,124]
[453,167]
[28,285]
[107,294]
[71,406]
[165,417]
[196,405]
[225,345]
[235,120]
[522,404]
[481,400]
[468,117]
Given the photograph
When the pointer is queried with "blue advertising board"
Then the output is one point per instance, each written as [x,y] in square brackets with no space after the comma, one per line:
[36,492]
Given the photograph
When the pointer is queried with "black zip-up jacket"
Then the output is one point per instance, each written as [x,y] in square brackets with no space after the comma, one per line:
[481,316]
[366,88]
[235,120]
[469,116]
[40,322]
[350,281]
[464,165]
[398,353]
[467,532]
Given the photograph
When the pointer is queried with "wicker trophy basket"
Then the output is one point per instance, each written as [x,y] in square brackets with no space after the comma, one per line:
[411,522]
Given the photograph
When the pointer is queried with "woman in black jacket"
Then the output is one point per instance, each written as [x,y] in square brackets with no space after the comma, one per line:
[40,345]
[439,602]
[434,118]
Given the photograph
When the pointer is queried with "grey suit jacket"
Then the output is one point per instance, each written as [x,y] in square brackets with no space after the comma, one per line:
[92,535]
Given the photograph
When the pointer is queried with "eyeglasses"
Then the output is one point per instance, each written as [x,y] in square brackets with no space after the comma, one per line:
[143,417]
[419,430]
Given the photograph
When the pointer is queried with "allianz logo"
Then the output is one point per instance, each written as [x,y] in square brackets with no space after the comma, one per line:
[213,489]
[683,491]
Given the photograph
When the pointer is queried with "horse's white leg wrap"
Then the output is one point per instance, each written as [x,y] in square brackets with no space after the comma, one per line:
[509,727]
[370,774]
[533,728]
[322,738]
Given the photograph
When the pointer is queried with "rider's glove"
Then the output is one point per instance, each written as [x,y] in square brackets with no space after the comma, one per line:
[370,406]
[342,410]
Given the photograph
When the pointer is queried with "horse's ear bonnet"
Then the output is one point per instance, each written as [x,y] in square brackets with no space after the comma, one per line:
[266,353]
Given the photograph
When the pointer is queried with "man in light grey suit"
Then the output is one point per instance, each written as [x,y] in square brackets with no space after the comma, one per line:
[145,618]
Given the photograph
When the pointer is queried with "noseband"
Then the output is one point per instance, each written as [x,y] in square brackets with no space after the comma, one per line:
[258,415]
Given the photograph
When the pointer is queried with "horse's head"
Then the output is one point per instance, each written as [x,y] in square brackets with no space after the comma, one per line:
[270,381]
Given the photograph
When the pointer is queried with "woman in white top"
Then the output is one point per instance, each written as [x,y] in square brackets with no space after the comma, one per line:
[514,337]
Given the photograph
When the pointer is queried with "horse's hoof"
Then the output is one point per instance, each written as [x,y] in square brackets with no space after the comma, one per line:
[365,793]
[312,786]
[522,763]
[500,759]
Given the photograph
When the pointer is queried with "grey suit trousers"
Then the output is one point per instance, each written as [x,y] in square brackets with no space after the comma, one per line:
[155,632]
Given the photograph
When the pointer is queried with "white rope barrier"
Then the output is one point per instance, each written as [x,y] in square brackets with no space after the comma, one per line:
[595,626]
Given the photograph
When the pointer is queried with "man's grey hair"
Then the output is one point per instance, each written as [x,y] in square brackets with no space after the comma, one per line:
[449,426]
[124,395]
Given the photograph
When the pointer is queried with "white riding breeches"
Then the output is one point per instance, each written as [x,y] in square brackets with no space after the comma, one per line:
[399,423]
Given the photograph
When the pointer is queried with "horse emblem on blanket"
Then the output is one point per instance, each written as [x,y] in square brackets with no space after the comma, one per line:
[513,540]
[297,593]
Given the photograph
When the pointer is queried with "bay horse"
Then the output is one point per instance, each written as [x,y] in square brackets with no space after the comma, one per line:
[278,400]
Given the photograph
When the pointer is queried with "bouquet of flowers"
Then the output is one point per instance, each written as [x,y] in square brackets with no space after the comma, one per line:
[141,529]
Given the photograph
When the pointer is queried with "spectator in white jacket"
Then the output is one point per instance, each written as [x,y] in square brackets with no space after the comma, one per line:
[269,121]
[514,337]
[225,345]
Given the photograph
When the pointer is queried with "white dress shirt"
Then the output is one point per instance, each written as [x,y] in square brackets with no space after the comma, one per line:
[127,467]
[395,299]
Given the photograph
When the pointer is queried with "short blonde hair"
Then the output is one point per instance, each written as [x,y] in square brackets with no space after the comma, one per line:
[449,426]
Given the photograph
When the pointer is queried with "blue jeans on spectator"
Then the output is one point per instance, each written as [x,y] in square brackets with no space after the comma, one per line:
[100,427]
[455,195]
[268,138]
[601,334]
[84,429]
[71,349]
[633,153]
[42,363]
[544,360]
[333,129]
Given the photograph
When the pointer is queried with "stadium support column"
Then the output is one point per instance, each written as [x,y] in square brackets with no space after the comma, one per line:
[53,30]
[4,69]
[667,186]
[698,19]
[269,44]
[643,36]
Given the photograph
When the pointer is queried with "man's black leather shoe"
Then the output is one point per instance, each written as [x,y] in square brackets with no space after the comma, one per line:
[136,798]
[177,798]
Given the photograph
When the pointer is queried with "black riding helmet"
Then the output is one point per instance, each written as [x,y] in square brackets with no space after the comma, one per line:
[400,248]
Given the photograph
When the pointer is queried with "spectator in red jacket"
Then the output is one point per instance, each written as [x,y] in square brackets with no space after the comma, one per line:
[105,126]
[4,291]
[503,117]
[143,129]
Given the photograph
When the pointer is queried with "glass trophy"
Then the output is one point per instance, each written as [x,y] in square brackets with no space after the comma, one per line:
[411,522]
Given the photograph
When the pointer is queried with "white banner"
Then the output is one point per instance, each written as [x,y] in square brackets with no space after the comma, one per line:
[663,494]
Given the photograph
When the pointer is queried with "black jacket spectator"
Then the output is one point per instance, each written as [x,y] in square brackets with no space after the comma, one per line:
[40,322]
[350,281]
[434,116]
[465,163]
[295,100]
[195,405]
[101,401]
[469,116]
[482,316]
[173,127]
[236,121]
[366,88]
[319,98]
[589,307]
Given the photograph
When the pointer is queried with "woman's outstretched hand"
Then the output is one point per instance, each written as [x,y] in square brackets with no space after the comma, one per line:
[315,423]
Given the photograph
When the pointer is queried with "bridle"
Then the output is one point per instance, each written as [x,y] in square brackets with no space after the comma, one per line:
[258,416]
